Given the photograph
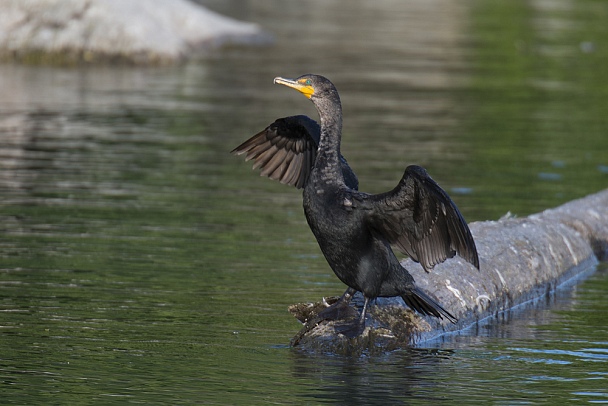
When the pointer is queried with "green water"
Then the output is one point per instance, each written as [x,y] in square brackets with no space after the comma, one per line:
[141,263]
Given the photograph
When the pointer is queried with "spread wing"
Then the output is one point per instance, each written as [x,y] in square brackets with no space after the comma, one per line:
[286,151]
[421,220]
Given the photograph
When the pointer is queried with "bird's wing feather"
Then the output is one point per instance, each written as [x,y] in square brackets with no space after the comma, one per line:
[286,151]
[421,220]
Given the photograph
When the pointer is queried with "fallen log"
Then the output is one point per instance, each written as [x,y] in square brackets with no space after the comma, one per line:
[521,259]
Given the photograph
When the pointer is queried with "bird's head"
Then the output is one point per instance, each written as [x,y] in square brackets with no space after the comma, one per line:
[311,86]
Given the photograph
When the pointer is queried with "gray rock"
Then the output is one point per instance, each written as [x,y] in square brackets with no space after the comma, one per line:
[135,31]
[522,259]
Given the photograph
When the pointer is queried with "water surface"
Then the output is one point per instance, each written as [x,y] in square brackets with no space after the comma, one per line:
[141,263]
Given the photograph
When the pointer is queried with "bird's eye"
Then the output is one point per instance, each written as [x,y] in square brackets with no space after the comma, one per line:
[308,82]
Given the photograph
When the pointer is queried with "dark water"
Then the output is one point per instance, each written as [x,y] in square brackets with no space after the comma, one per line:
[141,263]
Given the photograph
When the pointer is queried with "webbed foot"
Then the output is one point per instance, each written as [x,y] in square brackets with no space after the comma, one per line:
[338,311]
[355,327]
[350,329]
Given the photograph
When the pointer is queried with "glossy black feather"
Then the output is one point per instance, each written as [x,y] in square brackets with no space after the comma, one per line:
[420,219]
[286,151]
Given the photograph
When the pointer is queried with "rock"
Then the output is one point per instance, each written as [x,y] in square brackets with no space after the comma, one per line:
[133,31]
[522,259]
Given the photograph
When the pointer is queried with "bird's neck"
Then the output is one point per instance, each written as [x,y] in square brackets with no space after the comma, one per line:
[328,156]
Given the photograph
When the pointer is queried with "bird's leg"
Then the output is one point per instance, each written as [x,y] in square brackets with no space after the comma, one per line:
[354,328]
[340,309]
[365,304]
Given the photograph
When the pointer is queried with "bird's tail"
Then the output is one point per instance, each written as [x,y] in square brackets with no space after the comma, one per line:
[422,303]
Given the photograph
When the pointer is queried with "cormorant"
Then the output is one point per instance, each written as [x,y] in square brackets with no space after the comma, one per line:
[355,230]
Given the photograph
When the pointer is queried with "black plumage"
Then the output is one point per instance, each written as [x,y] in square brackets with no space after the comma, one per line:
[355,230]
[286,151]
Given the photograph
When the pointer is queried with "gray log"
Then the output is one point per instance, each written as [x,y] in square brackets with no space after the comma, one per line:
[521,259]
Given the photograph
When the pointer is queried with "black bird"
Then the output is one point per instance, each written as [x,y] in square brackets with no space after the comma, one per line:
[355,230]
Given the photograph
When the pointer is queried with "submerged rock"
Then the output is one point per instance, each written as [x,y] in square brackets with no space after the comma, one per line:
[134,31]
[521,259]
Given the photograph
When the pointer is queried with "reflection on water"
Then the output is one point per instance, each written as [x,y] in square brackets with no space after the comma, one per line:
[541,351]
[140,262]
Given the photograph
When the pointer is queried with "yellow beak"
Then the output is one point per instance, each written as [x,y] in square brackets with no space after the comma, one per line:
[306,90]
